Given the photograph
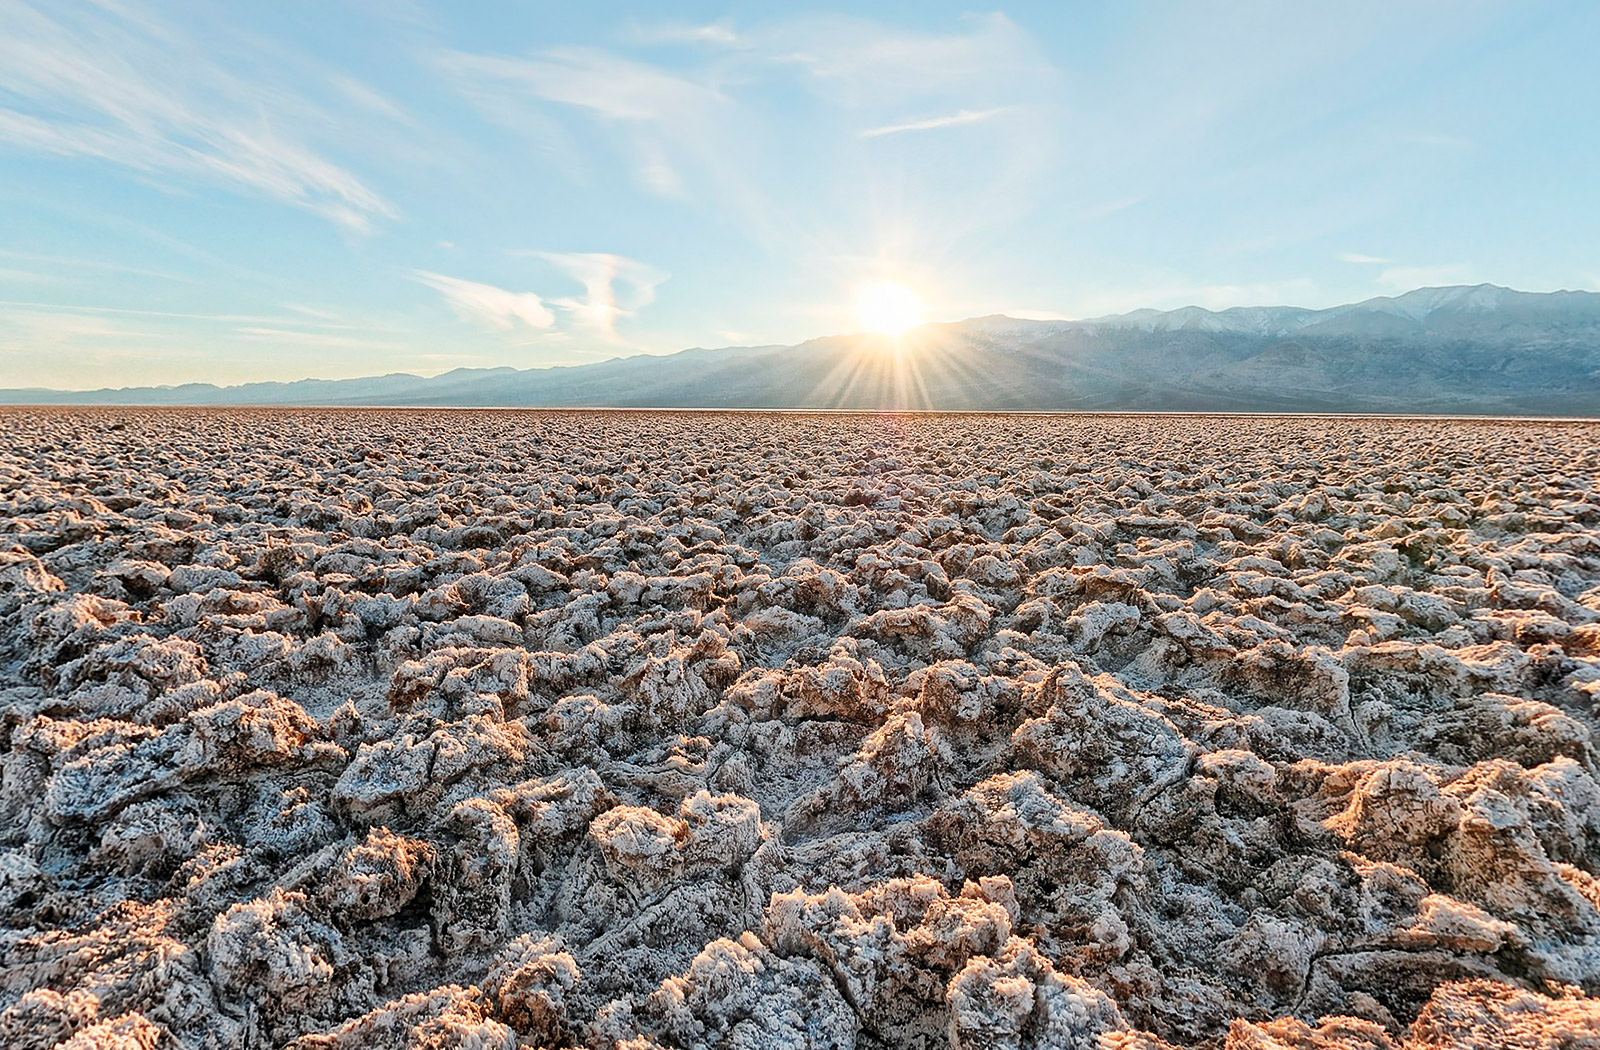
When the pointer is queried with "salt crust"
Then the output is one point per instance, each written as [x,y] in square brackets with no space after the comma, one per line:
[478,730]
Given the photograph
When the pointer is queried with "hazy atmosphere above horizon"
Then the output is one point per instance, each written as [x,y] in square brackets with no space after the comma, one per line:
[233,192]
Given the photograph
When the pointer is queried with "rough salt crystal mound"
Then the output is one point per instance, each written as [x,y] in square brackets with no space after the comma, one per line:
[339,729]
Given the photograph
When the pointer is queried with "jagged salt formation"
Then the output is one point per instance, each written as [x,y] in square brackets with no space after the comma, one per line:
[371,729]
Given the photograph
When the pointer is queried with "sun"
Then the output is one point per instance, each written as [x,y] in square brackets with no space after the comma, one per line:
[888,307]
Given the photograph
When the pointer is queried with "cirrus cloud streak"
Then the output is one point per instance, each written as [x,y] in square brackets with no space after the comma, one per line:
[114,83]
[488,305]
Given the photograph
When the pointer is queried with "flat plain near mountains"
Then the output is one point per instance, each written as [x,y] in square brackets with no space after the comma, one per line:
[340,729]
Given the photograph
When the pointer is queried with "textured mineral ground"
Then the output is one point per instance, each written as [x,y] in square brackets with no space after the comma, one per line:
[481,729]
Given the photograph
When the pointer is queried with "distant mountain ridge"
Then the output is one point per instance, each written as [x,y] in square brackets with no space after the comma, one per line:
[1461,349]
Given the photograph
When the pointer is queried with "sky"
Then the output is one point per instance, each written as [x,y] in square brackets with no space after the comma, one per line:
[241,192]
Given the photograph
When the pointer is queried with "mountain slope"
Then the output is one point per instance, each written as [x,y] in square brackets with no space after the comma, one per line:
[1458,349]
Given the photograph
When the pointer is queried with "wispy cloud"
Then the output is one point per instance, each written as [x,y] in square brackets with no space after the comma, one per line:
[322,339]
[865,62]
[1357,257]
[488,305]
[709,128]
[73,346]
[965,116]
[66,262]
[720,34]
[24,333]
[663,119]
[311,311]
[613,287]
[367,97]
[112,82]
[314,322]
[610,86]
[120,311]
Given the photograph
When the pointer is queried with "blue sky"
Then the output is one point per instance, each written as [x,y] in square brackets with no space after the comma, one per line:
[234,192]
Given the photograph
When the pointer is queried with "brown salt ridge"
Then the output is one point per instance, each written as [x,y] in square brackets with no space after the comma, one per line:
[335,729]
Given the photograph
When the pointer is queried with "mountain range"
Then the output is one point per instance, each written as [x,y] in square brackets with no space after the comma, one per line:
[1465,349]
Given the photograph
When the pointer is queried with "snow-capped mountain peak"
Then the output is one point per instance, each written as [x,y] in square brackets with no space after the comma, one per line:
[1423,302]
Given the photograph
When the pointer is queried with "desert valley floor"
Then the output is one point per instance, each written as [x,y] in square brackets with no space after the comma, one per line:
[339,729]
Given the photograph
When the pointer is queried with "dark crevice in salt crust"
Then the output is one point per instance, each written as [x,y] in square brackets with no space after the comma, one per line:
[370,729]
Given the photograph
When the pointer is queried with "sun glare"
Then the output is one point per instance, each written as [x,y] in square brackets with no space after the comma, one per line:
[889,307]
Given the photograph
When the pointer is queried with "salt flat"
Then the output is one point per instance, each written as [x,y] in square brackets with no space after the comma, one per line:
[370,728]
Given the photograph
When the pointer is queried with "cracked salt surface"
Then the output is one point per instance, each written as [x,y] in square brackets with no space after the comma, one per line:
[635,730]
